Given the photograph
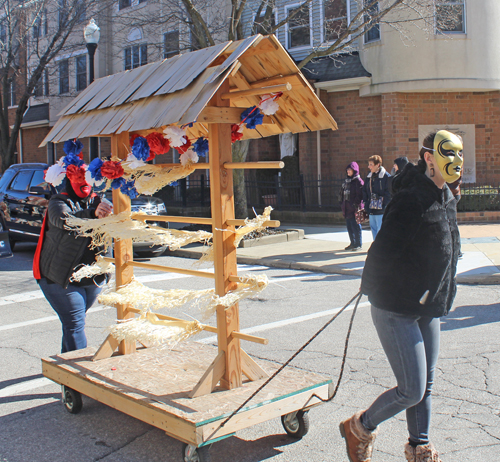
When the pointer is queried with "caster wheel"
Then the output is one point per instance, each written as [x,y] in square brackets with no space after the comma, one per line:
[296,424]
[72,400]
[191,453]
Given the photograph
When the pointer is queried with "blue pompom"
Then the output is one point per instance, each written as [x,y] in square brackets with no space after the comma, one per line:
[252,119]
[174,183]
[73,147]
[117,183]
[201,147]
[95,169]
[140,148]
[72,159]
[128,188]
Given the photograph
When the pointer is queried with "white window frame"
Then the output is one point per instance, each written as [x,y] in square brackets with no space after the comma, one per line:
[179,43]
[464,18]
[138,45]
[275,11]
[323,20]
[311,38]
[365,42]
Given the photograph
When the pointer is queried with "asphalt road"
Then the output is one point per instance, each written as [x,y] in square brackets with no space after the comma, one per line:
[34,426]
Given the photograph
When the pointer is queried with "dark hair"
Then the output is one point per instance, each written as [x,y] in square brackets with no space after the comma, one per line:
[427,146]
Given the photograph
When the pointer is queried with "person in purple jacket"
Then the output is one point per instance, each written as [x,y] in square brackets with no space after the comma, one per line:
[351,199]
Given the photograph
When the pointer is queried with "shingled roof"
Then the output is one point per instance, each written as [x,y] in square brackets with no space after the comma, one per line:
[339,67]
[178,90]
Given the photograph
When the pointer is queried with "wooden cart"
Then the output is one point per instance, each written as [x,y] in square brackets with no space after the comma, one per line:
[190,391]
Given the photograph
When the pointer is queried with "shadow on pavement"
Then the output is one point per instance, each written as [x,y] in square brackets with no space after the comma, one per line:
[470,316]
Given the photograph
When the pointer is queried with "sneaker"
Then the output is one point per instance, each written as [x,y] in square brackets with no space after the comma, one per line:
[356,248]
[349,247]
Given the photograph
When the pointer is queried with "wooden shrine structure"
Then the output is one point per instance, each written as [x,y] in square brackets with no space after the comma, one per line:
[208,89]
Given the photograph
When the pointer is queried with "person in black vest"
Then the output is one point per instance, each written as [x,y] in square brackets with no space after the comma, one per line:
[409,277]
[351,198]
[60,252]
[376,194]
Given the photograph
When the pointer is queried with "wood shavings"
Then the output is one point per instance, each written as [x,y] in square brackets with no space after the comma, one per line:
[102,231]
[87,271]
[148,328]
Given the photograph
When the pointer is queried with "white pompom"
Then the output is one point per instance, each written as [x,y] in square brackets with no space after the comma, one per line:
[55,174]
[176,136]
[134,162]
[268,107]
[189,157]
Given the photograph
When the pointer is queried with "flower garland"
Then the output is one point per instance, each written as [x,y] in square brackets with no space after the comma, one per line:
[123,174]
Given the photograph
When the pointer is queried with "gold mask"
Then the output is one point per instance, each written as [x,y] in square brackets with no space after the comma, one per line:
[448,155]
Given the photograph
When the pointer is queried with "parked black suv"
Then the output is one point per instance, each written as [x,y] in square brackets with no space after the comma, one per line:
[24,196]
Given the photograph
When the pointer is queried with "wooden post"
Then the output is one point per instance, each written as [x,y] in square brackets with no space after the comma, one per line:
[123,247]
[222,199]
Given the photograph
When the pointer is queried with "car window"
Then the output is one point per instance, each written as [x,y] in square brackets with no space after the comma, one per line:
[38,180]
[21,181]
[7,176]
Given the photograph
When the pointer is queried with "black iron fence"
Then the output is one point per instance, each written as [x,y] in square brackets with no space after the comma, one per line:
[307,193]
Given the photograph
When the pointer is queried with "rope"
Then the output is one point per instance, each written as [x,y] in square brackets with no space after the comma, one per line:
[357,297]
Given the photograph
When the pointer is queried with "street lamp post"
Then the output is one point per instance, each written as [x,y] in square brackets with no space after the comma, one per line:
[91,33]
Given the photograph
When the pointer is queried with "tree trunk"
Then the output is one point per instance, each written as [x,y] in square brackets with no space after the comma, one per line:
[240,151]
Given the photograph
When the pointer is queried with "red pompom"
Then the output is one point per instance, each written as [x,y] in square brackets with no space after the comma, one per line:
[112,170]
[158,144]
[182,149]
[236,135]
[80,155]
[75,174]
[132,139]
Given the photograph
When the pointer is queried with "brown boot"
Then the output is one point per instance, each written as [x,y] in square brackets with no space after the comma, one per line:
[426,453]
[358,439]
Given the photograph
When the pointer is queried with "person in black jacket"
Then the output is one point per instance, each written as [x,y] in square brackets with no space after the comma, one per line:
[61,252]
[397,168]
[409,277]
[376,194]
[351,199]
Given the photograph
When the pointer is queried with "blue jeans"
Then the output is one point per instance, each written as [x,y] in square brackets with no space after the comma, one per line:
[375,224]
[354,231]
[71,306]
[411,344]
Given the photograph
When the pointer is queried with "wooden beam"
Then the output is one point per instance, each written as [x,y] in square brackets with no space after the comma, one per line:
[222,201]
[172,219]
[239,222]
[122,247]
[250,368]
[107,348]
[293,79]
[225,115]
[250,338]
[211,377]
[270,164]
[256,91]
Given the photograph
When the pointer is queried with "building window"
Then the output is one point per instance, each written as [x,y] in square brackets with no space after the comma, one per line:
[372,26]
[450,16]
[136,56]
[12,93]
[335,19]
[42,86]
[40,25]
[81,72]
[62,13]
[63,76]
[263,25]
[299,27]
[170,44]
[3,32]
[124,4]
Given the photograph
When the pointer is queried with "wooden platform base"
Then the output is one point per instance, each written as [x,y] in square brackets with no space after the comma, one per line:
[153,385]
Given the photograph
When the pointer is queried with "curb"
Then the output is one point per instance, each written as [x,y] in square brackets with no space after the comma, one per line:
[481,279]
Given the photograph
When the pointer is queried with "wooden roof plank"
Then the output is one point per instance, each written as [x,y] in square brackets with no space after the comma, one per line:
[85,96]
[59,125]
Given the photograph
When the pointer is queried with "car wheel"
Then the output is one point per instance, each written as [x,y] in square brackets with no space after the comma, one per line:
[151,253]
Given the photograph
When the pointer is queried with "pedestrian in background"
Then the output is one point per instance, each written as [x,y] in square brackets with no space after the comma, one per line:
[351,199]
[409,277]
[397,168]
[376,194]
[60,252]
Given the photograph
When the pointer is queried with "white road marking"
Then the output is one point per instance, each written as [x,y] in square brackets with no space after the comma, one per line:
[24,386]
[287,322]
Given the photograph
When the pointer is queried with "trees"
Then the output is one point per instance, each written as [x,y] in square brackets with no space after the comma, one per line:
[32,34]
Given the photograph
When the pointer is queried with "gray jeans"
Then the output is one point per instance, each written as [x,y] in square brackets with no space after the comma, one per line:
[411,344]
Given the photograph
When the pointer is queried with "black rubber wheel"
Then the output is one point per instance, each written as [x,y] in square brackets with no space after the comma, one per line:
[72,400]
[296,426]
[191,453]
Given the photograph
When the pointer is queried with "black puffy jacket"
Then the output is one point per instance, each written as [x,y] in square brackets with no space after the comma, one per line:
[62,250]
[416,250]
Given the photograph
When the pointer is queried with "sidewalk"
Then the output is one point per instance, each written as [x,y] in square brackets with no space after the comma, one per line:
[322,250]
